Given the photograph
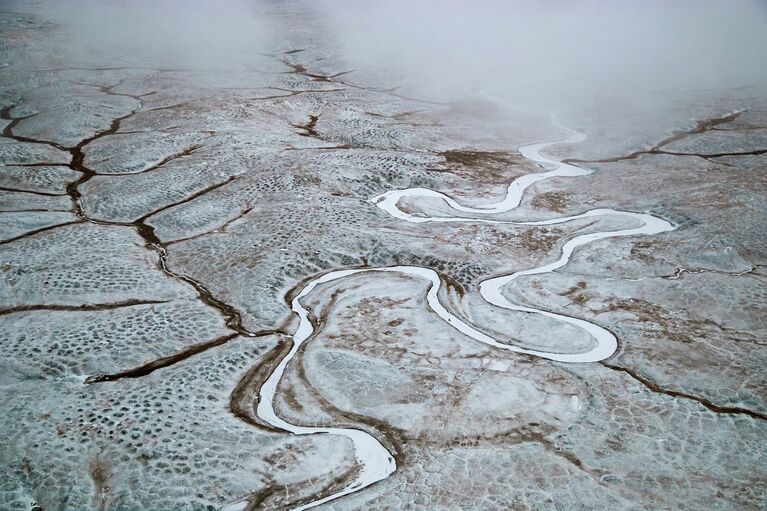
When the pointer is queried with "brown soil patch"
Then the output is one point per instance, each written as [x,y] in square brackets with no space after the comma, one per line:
[485,166]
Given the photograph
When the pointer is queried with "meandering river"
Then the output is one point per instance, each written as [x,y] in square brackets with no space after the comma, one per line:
[376,463]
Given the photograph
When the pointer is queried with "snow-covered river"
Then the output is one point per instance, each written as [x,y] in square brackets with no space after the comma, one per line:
[376,463]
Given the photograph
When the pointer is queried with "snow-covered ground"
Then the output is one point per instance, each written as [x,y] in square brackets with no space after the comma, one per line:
[279,277]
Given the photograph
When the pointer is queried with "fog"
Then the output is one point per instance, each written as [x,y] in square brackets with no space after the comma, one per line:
[534,51]
[539,49]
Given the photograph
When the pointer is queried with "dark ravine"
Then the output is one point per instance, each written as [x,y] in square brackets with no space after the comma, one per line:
[654,387]
[700,127]
[169,360]
[34,192]
[38,231]
[300,69]
[34,210]
[707,156]
[39,164]
[161,362]
[680,272]
[219,229]
[637,154]
[233,317]
[181,154]
[79,308]
[142,220]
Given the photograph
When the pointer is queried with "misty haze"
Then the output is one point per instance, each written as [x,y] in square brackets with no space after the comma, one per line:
[361,255]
